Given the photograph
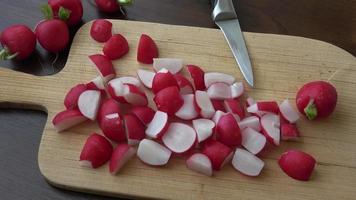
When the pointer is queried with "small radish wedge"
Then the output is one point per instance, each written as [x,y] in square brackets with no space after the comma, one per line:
[288,112]
[203,104]
[135,130]
[250,122]
[200,163]
[187,111]
[270,124]
[228,131]
[297,164]
[234,106]
[163,79]
[247,163]
[169,100]
[104,66]
[252,140]
[218,153]
[153,153]
[128,79]
[120,156]
[135,96]
[71,98]
[237,90]
[217,115]
[264,106]
[146,77]
[218,105]
[289,131]
[144,113]
[158,126]
[217,77]
[113,127]
[219,91]
[89,103]
[101,30]
[109,106]
[179,137]
[67,119]
[97,84]
[173,65]
[96,151]
[53,35]
[204,128]
[184,84]
[116,47]
[197,74]
[147,50]
[250,101]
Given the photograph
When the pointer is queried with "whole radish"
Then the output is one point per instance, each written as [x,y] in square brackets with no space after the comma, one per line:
[18,41]
[110,6]
[53,35]
[70,9]
[316,99]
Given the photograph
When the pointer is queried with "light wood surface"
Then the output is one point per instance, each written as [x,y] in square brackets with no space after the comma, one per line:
[281,65]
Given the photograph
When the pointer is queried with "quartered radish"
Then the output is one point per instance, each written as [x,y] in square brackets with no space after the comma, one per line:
[237,90]
[297,164]
[153,153]
[127,79]
[143,113]
[218,153]
[71,98]
[204,128]
[169,100]
[174,65]
[104,66]
[200,163]
[217,115]
[228,131]
[100,30]
[147,50]
[247,163]
[89,103]
[163,79]
[116,47]
[270,124]
[96,151]
[187,110]
[146,77]
[135,130]
[252,140]
[97,84]
[250,122]
[135,96]
[179,137]
[217,77]
[184,84]
[289,131]
[235,107]
[158,126]
[288,112]
[120,156]
[67,119]
[264,106]
[113,127]
[109,106]
[218,105]
[219,91]
[197,74]
[203,104]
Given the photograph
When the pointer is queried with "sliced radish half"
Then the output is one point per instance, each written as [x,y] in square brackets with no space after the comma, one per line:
[174,65]
[185,86]
[179,137]
[289,131]
[247,163]
[153,153]
[135,130]
[169,100]
[217,77]
[126,79]
[219,91]
[237,90]
[228,131]
[146,77]
[235,107]
[134,95]
[71,98]
[271,127]
[159,124]
[89,103]
[104,66]
[200,163]
[218,153]
[143,113]
[288,112]
[187,111]
[97,84]
[264,106]
[120,156]
[109,106]
[203,104]
[197,74]
[67,119]
[163,79]
[252,140]
[113,127]
[250,122]
[204,128]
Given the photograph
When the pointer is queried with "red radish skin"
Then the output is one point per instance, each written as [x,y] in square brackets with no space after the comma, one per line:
[203,104]
[74,7]
[71,98]
[297,164]
[135,130]
[197,74]
[144,113]
[147,50]
[237,90]
[247,163]
[67,119]
[18,41]
[252,140]
[288,112]
[173,65]
[228,131]
[158,126]
[218,105]
[184,84]
[163,79]
[187,110]
[217,77]
[109,106]
[219,91]
[179,137]
[116,47]
[101,30]
[289,131]
[204,128]
[89,103]
[104,66]
[107,6]
[218,153]
[169,100]
[200,163]
[234,106]
[146,77]
[53,35]
[250,122]
[270,124]
[113,127]
[135,96]
[120,156]
[97,84]
[268,106]
[153,153]
[96,151]
[316,99]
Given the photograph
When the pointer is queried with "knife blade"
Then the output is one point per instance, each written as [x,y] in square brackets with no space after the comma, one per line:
[225,18]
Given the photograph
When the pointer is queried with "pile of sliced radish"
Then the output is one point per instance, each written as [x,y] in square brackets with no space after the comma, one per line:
[202,113]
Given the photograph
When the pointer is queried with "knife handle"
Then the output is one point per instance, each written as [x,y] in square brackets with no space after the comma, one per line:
[223,10]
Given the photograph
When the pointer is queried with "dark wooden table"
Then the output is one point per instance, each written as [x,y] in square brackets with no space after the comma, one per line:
[20,130]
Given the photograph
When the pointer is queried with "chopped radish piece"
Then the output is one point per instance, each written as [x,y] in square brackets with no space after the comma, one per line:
[116,47]
[235,107]
[144,114]
[121,154]
[250,101]
[297,164]
[218,105]
[247,163]
[270,127]
[197,74]
[203,104]
[97,84]
[104,66]
[146,50]
[109,106]
[228,131]
[289,131]
[96,151]
[179,137]
[200,163]
[71,99]
[237,90]
[288,112]
[146,77]
[173,65]
[219,91]
[67,119]
[184,84]
[128,79]
[163,79]
[217,77]
[153,153]
[218,153]
[89,103]
[112,127]
[218,114]
[187,111]
[169,100]
[204,128]
[117,88]
[158,126]
[264,106]
[252,140]
[250,122]
[135,96]
[135,130]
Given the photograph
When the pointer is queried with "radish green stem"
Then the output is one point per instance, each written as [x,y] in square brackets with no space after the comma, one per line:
[125,2]
[47,11]
[63,14]
[310,110]
[6,55]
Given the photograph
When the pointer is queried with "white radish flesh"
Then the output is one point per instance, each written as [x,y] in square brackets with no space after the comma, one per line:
[247,163]
[216,77]
[179,137]
[288,111]
[89,103]
[153,153]
[219,91]
[67,119]
[104,66]
[146,77]
[252,140]
[271,127]
[204,105]
[158,125]
[204,128]
[218,114]
[185,87]
[200,163]
[134,96]
[174,65]
[237,90]
[251,122]
[187,111]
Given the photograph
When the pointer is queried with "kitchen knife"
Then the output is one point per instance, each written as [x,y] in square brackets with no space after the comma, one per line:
[225,18]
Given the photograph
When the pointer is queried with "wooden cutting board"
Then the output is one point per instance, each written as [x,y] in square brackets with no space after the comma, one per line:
[281,65]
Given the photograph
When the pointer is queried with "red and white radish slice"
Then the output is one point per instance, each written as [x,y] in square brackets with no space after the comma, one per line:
[113,127]
[187,111]
[153,153]
[271,127]
[228,131]
[174,65]
[117,89]
[218,105]
[109,106]
[218,153]
[135,96]
[120,156]
[67,119]
[234,106]
[237,90]
[158,126]
[250,101]
[289,131]
[264,106]
[135,130]
[146,50]
[143,113]
[96,151]
[97,84]
[169,100]
[89,103]
[217,77]
[128,80]
[250,122]
[288,112]
[247,163]
[146,77]
[204,128]
[163,79]
[219,91]
[200,163]
[71,98]
[179,137]
[252,140]
[203,104]
[217,115]
[197,74]
[104,66]
[185,86]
